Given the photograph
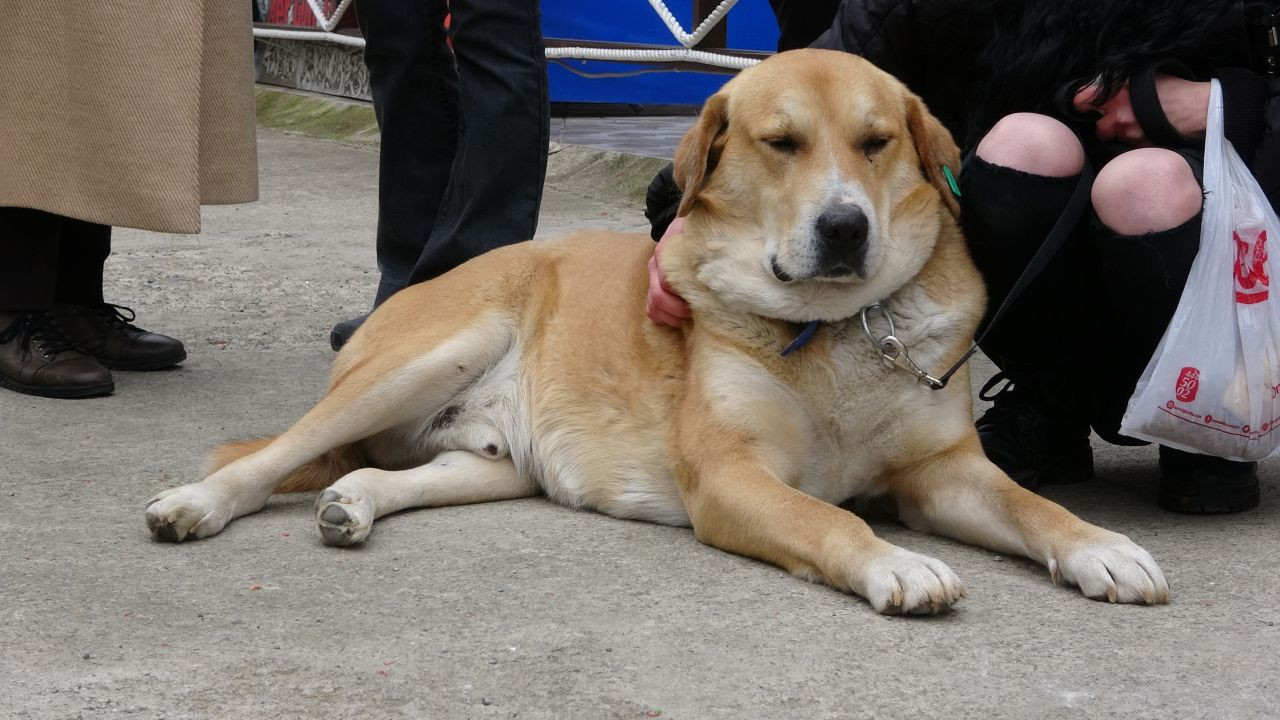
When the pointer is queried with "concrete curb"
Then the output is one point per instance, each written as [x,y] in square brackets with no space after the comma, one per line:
[588,172]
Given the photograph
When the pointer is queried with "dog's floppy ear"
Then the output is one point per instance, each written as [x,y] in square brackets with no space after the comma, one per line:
[699,151]
[936,148]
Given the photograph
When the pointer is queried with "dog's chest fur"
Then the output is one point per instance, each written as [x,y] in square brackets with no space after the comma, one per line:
[858,417]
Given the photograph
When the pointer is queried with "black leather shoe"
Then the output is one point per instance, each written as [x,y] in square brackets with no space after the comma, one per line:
[1203,485]
[1031,445]
[37,358]
[343,331]
[104,331]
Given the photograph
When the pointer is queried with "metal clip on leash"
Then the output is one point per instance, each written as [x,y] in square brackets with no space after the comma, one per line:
[893,352]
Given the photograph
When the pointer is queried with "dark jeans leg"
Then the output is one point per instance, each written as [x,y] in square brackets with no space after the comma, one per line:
[1143,277]
[495,186]
[28,259]
[415,98]
[82,252]
[1040,343]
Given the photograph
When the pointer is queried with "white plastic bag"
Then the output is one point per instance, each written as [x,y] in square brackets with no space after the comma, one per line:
[1213,385]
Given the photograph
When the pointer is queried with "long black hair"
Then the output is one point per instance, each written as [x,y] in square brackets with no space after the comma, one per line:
[1037,52]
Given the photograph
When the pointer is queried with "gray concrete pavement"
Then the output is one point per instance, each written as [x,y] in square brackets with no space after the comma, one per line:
[651,136]
[521,609]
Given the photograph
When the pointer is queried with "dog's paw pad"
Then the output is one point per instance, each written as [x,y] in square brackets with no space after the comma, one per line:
[334,514]
[343,518]
[168,532]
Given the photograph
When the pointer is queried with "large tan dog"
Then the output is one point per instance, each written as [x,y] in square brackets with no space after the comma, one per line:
[813,190]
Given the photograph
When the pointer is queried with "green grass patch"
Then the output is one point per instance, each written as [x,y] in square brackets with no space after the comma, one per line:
[318,117]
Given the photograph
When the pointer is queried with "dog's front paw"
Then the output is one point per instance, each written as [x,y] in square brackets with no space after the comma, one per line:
[345,514]
[1110,566]
[906,583]
[185,513]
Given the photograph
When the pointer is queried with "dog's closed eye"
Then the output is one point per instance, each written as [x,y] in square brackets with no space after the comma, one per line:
[874,145]
[782,143]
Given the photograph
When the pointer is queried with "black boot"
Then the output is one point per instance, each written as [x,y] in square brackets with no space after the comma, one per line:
[1031,439]
[1202,484]
[105,331]
[37,358]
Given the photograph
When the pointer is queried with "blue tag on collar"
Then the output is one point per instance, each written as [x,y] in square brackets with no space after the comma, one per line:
[802,339]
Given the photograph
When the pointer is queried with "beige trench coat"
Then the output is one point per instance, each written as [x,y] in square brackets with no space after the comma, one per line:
[127,112]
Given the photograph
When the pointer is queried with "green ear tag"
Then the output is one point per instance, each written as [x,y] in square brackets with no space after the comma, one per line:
[951,180]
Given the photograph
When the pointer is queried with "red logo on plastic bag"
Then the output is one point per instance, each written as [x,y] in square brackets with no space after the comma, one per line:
[1251,270]
[1188,384]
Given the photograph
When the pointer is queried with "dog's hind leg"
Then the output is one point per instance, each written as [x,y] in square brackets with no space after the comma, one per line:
[370,393]
[346,510]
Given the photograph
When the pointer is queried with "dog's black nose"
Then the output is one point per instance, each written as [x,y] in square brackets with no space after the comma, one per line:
[844,225]
[843,233]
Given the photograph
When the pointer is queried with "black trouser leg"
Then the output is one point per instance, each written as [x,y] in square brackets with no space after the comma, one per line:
[82,252]
[1142,279]
[415,98]
[28,259]
[800,22]
[1040,341]
[495,185]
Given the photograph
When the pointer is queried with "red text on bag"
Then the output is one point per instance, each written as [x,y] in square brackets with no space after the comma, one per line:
[1188,384]
[1251,269]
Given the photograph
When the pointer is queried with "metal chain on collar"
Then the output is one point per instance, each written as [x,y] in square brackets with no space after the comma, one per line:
[893,351]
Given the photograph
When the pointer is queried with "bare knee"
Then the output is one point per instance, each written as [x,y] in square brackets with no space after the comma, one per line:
[1146,190]
[1033,143]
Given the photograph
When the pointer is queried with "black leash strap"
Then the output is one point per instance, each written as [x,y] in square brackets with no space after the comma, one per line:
[1147,109]
[1048,249]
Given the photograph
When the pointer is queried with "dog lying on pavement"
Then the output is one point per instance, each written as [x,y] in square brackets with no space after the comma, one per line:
[816,204]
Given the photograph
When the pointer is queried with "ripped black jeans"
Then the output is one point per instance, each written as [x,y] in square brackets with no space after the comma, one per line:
[1079,337]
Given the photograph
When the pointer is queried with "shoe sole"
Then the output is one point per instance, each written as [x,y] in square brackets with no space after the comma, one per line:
[143,365]
[61,393]
[1243,500]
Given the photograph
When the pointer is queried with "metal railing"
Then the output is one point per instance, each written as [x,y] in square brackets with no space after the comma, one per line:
[703,49]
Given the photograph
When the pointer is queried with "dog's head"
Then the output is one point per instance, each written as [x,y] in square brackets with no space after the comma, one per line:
[814,186]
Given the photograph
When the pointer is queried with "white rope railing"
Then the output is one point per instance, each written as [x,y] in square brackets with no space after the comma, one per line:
[328,22]
[337,38]
[700,57]
[677,30]
[325,25]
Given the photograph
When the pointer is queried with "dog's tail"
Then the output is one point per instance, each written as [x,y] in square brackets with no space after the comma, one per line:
[315,475]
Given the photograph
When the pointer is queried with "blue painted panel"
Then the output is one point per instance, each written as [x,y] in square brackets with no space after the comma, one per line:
[751,27]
